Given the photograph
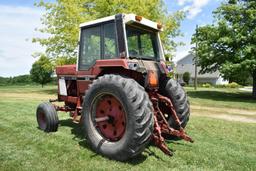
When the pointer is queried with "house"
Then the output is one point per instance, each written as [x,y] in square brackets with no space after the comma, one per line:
[186,64]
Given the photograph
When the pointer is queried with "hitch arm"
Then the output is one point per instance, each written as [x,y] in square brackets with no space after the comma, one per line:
[161,125]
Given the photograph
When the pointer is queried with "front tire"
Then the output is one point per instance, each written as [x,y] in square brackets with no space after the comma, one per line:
[117,117]
[47,117]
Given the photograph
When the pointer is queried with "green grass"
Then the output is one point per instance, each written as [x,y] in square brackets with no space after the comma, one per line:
[219,144]
[221,97]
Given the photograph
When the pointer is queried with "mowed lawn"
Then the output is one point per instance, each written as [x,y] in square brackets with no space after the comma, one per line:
[221,142]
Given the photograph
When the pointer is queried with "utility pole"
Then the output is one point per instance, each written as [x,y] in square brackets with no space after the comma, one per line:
[195,61]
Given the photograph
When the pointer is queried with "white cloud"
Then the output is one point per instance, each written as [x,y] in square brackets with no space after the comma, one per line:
[193,7]
[17,26]
[182,51]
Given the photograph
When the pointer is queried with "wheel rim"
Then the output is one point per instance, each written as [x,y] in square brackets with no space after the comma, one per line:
[42,120]
[109,117]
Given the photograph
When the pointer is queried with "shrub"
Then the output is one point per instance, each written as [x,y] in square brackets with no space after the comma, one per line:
[186,77]
[206,85]
[233,85]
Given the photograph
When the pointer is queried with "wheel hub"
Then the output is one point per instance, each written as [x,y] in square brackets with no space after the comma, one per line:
[110,119]
[42,120]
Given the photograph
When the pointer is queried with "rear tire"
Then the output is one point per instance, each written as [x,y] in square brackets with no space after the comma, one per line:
[136,107]
[47,117]
[175,92]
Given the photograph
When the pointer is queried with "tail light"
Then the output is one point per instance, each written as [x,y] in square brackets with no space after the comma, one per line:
[152,79]
[138,18]
[159,26]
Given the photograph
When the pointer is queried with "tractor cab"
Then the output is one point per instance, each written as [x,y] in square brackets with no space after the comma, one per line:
[123,36]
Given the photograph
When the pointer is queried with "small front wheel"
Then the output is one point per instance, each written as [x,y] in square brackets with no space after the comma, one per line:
[47,117]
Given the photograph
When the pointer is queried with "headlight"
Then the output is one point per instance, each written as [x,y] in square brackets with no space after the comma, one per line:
[133,65]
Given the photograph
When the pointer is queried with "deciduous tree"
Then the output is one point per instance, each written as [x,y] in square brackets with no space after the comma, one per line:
[42,70]
[229,44]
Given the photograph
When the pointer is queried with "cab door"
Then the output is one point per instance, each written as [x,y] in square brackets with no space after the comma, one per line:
[97,42]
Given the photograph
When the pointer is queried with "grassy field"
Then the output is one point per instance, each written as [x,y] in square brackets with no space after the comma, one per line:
[220,144]
[222,97]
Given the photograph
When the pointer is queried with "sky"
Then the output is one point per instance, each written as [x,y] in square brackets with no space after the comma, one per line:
[19,18]
[198,12]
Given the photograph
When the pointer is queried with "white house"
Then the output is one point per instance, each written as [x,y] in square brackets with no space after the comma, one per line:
[186,64]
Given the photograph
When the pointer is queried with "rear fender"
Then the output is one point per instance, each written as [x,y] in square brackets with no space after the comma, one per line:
[100,65]
[137,76]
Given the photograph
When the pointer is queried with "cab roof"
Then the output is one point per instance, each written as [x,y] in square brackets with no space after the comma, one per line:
[127,19]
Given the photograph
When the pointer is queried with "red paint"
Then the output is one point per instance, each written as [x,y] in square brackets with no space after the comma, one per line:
[70,70]
[82,86]
[110,118]
[66,70]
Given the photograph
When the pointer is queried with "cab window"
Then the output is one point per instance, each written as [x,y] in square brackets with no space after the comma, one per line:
[110,42]
[97,42]
[90,47]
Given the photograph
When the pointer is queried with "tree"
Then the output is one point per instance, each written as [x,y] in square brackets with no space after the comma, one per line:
[186,77]
[229,44]
[42,70]
[62,18]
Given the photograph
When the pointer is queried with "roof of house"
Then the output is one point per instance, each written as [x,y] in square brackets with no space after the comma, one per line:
[187,57]
[186,64]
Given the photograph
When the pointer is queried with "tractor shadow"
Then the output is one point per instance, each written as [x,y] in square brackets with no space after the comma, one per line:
[76,130]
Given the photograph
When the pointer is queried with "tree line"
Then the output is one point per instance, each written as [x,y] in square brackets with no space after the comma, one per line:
[21,79]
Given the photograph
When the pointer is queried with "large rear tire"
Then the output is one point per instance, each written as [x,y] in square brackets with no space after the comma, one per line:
[174,91]
[117,117]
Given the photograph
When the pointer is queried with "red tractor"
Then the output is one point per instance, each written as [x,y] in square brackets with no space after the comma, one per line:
[119,90]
